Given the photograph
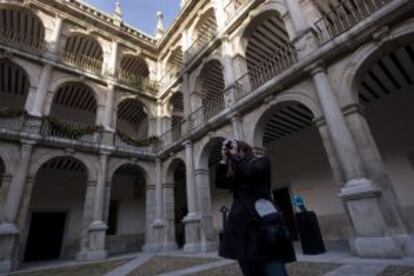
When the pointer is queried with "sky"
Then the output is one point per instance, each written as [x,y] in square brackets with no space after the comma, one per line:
[141,13]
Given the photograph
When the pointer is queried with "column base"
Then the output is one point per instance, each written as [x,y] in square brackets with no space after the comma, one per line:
[91,255]
[8,237]
[192,248]
[380,247]
[169,247]
[406,243]
[151,248]
[209,246]
[192,233]
[6,267]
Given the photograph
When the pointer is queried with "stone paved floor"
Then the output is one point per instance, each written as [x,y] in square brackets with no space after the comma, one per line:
[208,264]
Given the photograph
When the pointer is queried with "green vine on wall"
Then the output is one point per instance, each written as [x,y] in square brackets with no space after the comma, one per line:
[137,142]
[72,130]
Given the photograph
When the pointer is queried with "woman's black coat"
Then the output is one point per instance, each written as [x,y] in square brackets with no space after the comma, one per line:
[241,239]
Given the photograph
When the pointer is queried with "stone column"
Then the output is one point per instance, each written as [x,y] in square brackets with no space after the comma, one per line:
[304,39]
[159,223]
[220,13]
[55,38]
[109,107]
[9,231]
[228,72]
[376,171]
[95,247]
[330,151]
[41,91]
[169,243]
[237,125]
[208,237]
[297,16]
[150,206]
[361,196]
[4,188]
[192,220]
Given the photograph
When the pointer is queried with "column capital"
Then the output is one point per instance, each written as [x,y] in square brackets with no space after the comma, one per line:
[201,171]
[150,187]
[167,185]
[27,145]
[188,144]
[353,108]
[316,68]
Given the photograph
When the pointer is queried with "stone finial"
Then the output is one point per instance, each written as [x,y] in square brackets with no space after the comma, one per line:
[160,25]
[118,18]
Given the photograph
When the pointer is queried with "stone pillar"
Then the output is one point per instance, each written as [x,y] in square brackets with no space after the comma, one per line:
[4,188]
[159,223]
[40,97]
[228,72]
[330,151]
[95,247]
[150,206]
[9,232]
[208,237]
[304,39]
[361,196]
[219,13]
[169,243]
[55,38]
[297,16]
[192,220]
[109,107]
[237,125]
[376,171]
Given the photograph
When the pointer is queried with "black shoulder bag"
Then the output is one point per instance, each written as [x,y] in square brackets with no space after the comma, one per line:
[270,219]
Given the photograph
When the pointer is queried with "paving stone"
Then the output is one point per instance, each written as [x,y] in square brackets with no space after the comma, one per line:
[394,270]
[358,270]
[162,264]
[92,269]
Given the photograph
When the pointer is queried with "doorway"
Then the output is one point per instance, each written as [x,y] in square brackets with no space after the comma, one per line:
[45,236]
[283,199]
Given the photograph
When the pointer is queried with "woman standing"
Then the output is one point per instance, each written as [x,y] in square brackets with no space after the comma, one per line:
[248,178]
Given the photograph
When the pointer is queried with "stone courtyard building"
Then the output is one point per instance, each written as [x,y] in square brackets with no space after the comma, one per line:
[108,135]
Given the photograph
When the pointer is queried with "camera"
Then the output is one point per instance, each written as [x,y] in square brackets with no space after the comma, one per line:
[228,145]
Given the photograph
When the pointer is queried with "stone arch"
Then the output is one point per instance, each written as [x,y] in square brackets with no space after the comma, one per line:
[210,87]
[83,50]
[31,36]
[270,6]
[133,68]
[367,54]
[202,155]
[8,156]
[132,118]
[115,164]
[170,168]
[208,8]
[13,94]
[255,137]
[75,95]
[40,159]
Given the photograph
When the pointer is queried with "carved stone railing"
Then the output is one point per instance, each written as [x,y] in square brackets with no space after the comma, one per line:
[123,141]
[199,44]
[82,61]
[65,131]
[138,82]
[18,41]
[344,16]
